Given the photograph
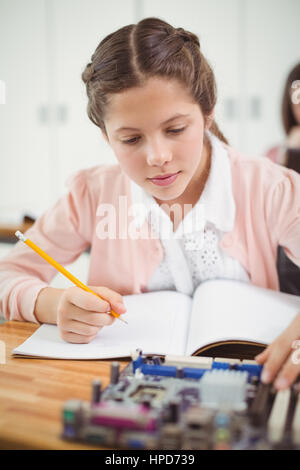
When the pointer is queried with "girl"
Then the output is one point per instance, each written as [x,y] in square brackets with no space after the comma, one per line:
[152,93]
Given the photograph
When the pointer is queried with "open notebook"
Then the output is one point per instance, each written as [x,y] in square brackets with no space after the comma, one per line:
[224,317]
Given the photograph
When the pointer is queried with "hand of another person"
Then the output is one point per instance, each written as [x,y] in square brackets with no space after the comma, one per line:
[281,359]
[80,314]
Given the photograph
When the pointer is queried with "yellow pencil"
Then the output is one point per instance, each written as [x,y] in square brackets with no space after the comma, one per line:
[62,270]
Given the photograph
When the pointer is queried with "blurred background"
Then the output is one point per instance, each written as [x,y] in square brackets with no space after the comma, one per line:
[45,134]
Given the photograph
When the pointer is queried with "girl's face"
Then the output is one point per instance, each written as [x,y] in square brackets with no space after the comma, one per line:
[158,130]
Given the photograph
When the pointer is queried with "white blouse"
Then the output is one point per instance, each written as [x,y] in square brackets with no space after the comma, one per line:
[192,253]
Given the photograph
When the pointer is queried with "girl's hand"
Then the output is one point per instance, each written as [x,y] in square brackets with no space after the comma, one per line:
[281,358]
[80,314]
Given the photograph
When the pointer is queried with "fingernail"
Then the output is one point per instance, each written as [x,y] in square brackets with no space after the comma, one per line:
[120,306]
[265,376]
[281,383]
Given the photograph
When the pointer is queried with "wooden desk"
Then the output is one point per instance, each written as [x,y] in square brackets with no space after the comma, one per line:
[7,231]
[32,393]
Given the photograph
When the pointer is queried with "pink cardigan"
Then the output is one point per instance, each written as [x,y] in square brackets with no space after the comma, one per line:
[276,154]
[267,198]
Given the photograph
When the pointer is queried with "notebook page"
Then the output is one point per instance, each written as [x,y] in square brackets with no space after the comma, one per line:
[225,310]
[157,324]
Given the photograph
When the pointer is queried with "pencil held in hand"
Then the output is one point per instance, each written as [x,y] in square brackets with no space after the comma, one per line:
[62,270]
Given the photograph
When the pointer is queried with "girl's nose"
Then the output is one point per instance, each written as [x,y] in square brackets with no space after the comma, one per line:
[158,154]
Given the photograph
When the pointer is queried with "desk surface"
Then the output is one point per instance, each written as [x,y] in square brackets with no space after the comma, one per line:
[32,393]
[7,231]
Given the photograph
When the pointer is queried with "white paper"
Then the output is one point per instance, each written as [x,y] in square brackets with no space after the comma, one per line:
[230,310]
[168,322]
[157,323]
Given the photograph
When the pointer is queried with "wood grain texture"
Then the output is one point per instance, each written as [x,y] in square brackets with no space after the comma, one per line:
[32,393]
[7,232]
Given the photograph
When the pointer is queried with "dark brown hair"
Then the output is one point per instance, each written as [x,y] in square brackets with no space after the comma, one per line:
[151,48]
[288,118]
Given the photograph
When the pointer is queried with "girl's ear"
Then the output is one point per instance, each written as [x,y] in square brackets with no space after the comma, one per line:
[209,119]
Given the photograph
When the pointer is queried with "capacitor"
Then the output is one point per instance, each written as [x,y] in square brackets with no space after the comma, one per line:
[96,391]
[174,410]
[114,372]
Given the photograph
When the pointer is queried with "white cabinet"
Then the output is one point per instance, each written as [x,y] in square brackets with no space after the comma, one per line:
[45,133]
[24,139]
[79,26]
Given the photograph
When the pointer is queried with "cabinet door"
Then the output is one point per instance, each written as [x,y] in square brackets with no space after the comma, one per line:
[77,28]
[272,49]
[24,143]
[217,26]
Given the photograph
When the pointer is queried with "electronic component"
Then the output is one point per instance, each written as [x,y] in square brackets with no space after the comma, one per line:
[185,403]
[278,416]
[224,388]
[96,391]
[296,423]
[114,372]
[200,362]
[260,405]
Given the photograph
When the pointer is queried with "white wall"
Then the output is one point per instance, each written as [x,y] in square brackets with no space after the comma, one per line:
[45,133]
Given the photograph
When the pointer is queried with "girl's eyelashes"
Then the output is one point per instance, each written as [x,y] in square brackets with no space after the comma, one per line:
[134,140]
[176,131]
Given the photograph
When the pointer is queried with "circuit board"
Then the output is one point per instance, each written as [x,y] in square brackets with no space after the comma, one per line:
[185,403]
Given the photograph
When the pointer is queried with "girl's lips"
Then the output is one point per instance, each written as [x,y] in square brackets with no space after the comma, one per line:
[164,180]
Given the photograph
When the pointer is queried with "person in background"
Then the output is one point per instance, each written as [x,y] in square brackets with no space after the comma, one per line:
[288,272]
[290,115]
